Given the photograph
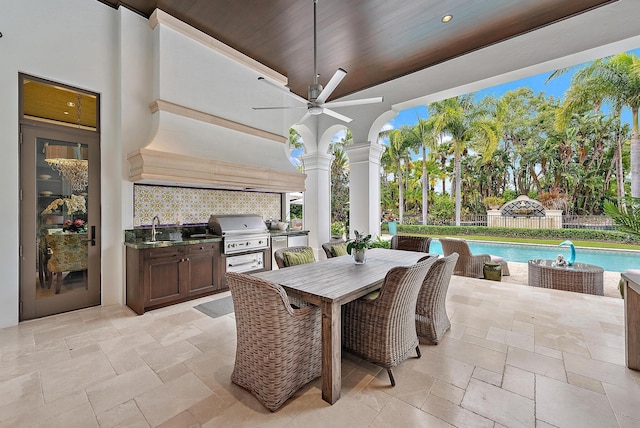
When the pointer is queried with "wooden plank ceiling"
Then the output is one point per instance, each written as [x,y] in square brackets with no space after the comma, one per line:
[374,40]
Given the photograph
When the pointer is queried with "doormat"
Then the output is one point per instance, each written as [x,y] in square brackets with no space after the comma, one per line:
[216,308]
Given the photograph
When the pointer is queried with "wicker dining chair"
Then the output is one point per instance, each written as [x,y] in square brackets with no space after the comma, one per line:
[410,243]
[432,320]
[383,330]
[328,247]
[304,252]
[469,264]
[279,349]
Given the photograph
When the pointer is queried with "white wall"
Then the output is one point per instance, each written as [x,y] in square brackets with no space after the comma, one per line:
[73,42]
[86,44]
[137,61]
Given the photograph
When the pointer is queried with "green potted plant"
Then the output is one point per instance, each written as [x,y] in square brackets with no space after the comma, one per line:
[360,244]
[493,202]
[392,223]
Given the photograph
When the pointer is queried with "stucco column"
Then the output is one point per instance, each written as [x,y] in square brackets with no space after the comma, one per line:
[364,187]
[317,199]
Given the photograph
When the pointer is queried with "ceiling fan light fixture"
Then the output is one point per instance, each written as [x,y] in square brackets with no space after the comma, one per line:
[315,110]
[318,95]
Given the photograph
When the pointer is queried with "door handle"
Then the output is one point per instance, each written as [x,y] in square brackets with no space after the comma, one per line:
[92,238]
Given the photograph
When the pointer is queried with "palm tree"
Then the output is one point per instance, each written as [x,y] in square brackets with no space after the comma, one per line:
[425,138]
[614,80]
[398,153]
[627,216]
[469,126]
[295,142]
[339,184]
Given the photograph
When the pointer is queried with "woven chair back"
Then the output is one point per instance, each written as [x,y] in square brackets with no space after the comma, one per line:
[328,247]
[279,254]
[411,243]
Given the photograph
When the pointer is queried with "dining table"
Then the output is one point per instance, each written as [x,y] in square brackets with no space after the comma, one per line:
[331,283]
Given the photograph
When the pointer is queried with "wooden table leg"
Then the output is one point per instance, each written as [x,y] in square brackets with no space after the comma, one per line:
[331,352]
[632,324]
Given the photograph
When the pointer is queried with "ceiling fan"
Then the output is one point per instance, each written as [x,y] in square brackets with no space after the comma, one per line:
[316,104]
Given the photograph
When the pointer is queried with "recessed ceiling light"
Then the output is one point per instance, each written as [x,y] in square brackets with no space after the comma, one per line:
[71,104]
[66,112]
[447,18]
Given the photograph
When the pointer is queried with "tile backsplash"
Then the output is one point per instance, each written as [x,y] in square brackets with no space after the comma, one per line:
[183,205]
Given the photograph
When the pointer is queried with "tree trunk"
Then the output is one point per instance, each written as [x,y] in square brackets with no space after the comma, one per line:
[400,194]
[425,186]
[619,171]
[458,175]
[635,156]
[635,166]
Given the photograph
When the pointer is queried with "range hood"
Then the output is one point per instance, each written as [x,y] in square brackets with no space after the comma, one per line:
[203,131]
[157,167]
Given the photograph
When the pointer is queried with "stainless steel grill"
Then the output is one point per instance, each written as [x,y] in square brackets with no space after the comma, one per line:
[240,232]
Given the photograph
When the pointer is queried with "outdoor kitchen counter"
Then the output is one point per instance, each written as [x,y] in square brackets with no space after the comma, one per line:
[288,232]
[142,244]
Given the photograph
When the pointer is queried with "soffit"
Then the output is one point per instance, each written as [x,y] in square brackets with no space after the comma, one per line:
[374,40]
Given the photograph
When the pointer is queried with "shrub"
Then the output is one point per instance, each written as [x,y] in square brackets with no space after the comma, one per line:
[509,195]
[337,228]
[380,243]
[442,210]
[561,234]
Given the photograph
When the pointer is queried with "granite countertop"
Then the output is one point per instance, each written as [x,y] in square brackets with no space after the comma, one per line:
[288,232]
[141,244]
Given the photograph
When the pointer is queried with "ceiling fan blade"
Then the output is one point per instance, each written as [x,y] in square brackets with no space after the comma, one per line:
[305,117]
[276,108]
[337,115]
[331,85]
[284,90]
[354,102]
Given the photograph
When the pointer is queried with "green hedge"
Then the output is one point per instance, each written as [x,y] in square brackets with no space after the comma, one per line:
[576,234]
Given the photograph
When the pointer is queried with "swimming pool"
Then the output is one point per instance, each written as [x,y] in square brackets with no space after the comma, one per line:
[611,260]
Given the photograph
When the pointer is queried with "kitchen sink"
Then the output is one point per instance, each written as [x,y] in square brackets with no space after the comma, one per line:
[157,243]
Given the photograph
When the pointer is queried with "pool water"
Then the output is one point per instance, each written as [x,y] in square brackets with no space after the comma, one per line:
[610,260]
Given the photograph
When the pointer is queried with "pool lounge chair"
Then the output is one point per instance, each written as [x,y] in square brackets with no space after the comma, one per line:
[469,264]
[410,243]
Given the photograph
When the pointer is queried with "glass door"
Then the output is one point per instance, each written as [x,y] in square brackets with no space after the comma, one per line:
[59,220]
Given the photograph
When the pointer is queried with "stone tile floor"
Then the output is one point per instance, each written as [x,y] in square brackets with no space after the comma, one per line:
[516,356]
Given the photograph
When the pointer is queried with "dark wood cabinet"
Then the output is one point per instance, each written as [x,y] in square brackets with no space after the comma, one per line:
[200,262]
[162,276]
[165,277]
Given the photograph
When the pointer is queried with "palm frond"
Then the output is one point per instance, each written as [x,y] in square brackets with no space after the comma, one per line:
[626,217]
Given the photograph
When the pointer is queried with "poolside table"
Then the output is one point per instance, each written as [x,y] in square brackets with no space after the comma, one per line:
[579,277]
[331,283]
[632,319]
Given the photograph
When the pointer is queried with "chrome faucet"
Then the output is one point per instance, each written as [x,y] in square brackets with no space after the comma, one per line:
[154,232]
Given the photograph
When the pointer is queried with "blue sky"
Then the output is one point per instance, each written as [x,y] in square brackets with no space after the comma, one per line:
[556,87]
